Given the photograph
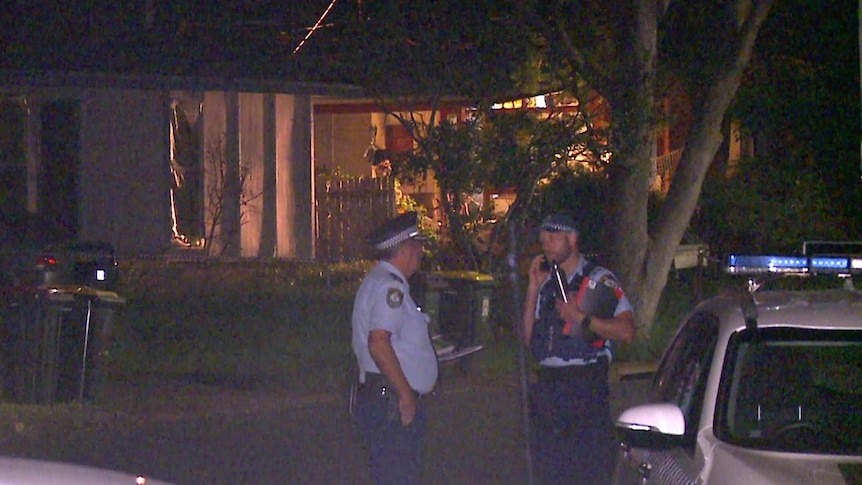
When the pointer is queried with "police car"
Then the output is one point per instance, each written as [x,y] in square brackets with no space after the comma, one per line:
[21,471]
[757,387]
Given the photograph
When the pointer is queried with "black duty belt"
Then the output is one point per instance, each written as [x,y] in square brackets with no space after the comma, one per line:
[600,367]
[379,384]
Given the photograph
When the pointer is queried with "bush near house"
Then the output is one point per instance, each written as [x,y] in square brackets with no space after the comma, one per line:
[252,322]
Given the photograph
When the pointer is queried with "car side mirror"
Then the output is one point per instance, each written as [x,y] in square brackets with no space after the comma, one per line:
[657,426]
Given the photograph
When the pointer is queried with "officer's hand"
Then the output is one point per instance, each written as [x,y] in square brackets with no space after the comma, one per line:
[407,407]
[535,273]
[572,314]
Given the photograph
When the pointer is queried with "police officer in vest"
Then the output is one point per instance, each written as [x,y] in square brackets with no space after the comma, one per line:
[397,363]
[573,435]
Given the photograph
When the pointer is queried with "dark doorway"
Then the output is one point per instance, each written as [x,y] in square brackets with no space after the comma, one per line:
[58,181]
[13,162]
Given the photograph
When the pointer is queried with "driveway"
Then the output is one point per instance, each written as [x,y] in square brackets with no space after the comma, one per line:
[191,433]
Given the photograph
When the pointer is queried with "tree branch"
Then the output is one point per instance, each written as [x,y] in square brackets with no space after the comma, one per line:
[704,138]
[579,62]
[748,32]
[662,8]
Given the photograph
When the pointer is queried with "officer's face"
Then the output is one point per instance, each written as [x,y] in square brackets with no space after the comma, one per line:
[413,251]
[558,246]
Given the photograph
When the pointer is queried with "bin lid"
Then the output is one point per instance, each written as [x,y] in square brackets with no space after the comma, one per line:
[68,292]
[464,275]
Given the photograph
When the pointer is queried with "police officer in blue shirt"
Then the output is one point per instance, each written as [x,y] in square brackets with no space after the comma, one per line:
[573,434]
[395,355]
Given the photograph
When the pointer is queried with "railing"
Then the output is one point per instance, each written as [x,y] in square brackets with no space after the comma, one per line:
[665,166]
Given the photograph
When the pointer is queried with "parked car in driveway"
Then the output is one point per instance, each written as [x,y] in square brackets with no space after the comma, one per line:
[757,387]
[56,310]
[26,260]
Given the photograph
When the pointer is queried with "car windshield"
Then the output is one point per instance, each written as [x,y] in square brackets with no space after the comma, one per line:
[794,390]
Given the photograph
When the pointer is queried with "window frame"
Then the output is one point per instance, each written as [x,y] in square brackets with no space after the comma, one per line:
[689,397]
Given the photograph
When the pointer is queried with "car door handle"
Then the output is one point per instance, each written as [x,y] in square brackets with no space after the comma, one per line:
[644,470]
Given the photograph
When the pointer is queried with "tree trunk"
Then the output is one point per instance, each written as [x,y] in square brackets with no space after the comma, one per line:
[642,262]
[633,112]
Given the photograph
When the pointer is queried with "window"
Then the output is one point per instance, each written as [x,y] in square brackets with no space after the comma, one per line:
[681,378]
[187,224]
[792,389]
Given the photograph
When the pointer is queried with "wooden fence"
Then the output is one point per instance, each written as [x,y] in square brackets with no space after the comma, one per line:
[347,210]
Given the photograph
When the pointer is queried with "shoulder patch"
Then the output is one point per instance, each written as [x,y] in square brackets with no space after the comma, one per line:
[394,297]
[609,280]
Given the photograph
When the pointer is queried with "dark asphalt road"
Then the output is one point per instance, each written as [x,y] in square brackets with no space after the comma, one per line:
[254,437]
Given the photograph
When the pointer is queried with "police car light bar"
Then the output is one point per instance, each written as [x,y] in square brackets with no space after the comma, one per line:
[799,265]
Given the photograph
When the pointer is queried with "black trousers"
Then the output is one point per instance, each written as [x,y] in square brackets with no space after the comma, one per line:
[395,450]
[572,431]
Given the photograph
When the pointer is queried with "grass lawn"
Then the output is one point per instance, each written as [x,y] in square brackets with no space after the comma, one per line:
[285,323]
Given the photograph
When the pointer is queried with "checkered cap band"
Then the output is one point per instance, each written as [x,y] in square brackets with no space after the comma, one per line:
[557,228]
[558,223]
[397,238]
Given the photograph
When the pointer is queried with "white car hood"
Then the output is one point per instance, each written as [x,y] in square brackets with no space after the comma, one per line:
[20,471]
[734,465]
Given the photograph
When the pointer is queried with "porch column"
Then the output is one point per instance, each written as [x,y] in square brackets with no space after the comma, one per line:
[269,217]
[232,188]
[294,176]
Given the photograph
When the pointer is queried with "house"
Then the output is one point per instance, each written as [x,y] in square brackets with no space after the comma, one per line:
[155,141]
[186,141]
[103,159]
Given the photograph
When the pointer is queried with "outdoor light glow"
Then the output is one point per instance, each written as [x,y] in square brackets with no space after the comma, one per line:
[100,275]
[541,101]
[46,261]
[508,105]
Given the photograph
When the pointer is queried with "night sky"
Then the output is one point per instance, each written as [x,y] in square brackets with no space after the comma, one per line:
[59,19]
[128,35]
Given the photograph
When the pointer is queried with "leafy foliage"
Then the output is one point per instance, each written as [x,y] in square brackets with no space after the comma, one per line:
[513,149]
[764,207]
[423,51]
[618,58]
[800,102]
[581,194]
